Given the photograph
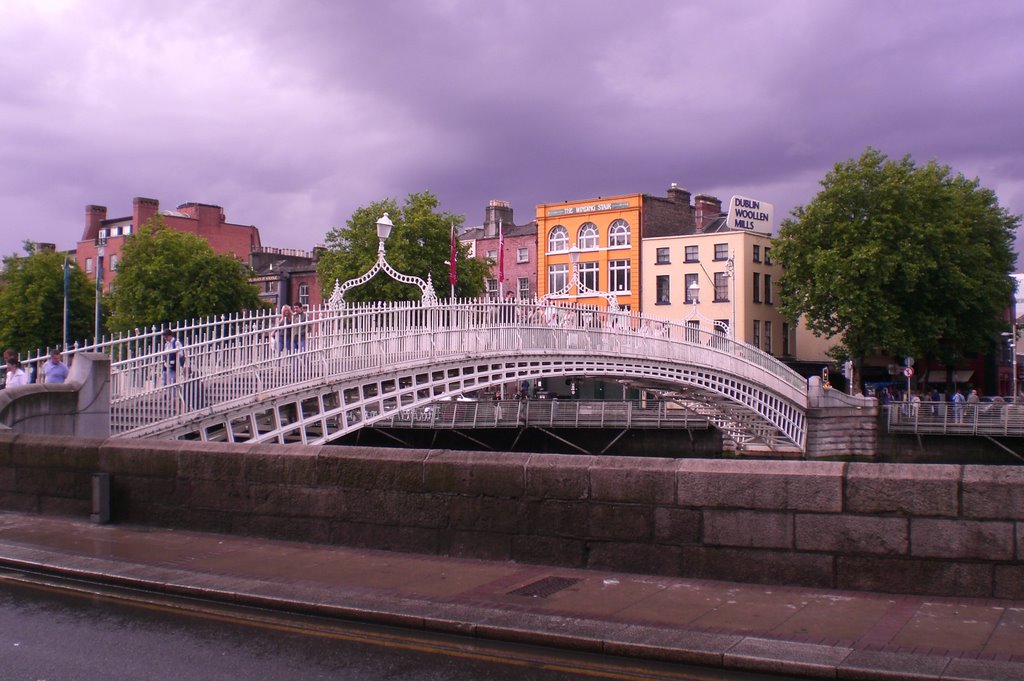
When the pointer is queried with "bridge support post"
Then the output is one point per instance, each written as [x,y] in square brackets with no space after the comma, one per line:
[838,424]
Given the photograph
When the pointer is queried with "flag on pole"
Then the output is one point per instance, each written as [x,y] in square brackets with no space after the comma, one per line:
[454,255]
[501,253]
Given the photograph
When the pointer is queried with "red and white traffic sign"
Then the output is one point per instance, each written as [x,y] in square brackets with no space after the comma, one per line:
[908,371]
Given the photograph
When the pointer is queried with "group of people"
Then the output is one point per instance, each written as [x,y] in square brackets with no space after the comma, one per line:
[54,370]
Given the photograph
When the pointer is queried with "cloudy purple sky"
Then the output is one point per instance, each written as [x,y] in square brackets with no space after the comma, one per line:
[292,113]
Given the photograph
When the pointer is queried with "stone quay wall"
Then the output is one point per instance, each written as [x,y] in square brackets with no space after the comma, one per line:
[900,528]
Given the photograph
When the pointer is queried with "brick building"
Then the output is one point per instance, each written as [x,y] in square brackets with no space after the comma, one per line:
[520,250]
[204,220]
[286,276]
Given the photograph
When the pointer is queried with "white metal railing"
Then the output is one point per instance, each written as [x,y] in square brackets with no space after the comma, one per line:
[550,413]
[949,418]
[233,357]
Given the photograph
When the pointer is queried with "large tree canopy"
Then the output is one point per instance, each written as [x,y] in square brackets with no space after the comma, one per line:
[167,276]
[419,245]
[896,258]
[32,301]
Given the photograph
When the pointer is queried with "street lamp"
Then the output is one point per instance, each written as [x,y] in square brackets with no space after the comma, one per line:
[1012,336]
[581,288]
[384,225]
[101,244]
[694,290]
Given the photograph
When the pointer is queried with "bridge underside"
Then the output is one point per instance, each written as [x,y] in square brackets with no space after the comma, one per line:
[750,416]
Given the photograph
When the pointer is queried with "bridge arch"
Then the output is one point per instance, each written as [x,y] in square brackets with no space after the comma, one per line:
[357,365]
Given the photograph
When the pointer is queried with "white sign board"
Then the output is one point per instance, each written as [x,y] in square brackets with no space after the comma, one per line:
[746,213]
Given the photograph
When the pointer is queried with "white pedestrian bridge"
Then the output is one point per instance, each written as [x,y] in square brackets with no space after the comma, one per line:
[250,378]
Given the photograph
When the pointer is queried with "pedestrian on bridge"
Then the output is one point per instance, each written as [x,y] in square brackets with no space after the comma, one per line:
[174,357]
[55,370]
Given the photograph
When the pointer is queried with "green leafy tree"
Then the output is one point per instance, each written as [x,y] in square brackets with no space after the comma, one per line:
[419,245]
[32,301]
[167,276]
[899,259]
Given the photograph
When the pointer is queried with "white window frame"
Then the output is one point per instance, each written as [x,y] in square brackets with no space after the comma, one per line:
[523,254]
[618,234]
[558,278]
[524,288]
[619,273]
[590,275]
[587,238]
[303,294]
[558,239]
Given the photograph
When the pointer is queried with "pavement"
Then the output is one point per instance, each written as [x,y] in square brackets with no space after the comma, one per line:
[794,632]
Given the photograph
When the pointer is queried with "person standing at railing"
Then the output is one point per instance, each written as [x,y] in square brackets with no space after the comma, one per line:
[174,357]
[55,370]
[284,329]
[15,374]
[958,406]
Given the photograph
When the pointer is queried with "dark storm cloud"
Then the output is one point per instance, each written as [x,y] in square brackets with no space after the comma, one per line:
[291,115]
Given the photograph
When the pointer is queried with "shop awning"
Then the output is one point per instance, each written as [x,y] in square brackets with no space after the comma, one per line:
[959,376]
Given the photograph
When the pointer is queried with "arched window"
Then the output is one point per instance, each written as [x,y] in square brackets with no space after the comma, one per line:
[587,238]
[558,239]
[618,233]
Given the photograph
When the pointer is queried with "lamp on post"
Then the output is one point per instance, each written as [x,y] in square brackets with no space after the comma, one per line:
[384,225]
[1012,337]
[101,247]
[694,291]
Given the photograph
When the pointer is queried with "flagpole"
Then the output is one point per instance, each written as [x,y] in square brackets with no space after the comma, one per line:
[67,291]
[501,261]
[451,263]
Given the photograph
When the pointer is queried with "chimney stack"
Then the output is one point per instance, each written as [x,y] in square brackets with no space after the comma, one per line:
[707,209]
[94,217]
[497,211]
[678,195]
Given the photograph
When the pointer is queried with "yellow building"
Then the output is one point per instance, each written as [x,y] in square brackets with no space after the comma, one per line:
[721,275]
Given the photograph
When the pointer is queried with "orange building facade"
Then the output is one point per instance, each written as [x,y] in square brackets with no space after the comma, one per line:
[605,233]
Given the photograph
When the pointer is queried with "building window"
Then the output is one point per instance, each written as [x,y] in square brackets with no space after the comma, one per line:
[589,275]
[618,275]
[767,256]
[757,253]
[663,288]
[271,286]
[492,288]
[618,234]
[785,339]
[492,255]
[692,330]
[304,294]
[587,236]
[524,288]
[757,333]
[768,289]
[114,261]
[691,279]
[88,265]
[757,287]
[721,287]
[768,337]
[523,255]
[661,257]
[721,251]
[692,254]
[558,239]
[558,278]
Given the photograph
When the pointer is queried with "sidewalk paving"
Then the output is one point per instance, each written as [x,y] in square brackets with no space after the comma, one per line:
[815,633]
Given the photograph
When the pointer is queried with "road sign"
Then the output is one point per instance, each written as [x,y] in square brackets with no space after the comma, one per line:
[908,371]
[908,361]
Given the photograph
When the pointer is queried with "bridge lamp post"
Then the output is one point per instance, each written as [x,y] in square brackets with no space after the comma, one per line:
[1012,337]
[101,244]
[384,225]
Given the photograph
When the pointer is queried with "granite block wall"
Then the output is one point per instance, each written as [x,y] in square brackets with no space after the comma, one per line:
[900,528]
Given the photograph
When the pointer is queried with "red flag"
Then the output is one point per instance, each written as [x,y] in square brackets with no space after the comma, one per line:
[455,253]
[501,253]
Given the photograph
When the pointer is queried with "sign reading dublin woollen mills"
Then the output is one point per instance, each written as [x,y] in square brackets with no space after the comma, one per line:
[750,214]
